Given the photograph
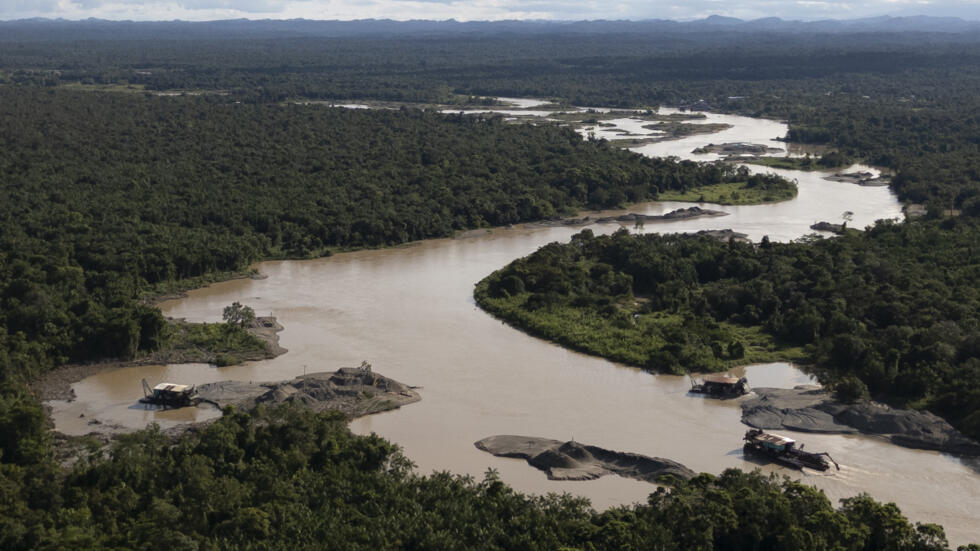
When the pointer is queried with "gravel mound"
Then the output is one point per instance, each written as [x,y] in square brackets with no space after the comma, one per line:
[575,461]
[355,391]
[806,409]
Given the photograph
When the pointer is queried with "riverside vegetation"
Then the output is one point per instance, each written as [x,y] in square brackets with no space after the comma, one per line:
[756,189]
[288,478]
[110,196]
[112,193]
[892,310]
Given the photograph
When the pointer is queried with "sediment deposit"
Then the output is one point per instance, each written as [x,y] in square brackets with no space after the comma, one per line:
[575,461]
[808,409]
[355,391]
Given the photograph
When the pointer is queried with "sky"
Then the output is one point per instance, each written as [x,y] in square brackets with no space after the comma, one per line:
[470,10]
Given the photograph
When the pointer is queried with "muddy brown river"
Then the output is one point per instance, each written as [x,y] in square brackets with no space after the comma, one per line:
[409,311]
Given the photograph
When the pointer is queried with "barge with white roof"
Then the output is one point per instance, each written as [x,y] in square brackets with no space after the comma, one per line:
[169,395]
[783,450]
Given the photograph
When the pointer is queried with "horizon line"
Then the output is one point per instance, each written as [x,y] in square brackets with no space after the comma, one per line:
[505,20]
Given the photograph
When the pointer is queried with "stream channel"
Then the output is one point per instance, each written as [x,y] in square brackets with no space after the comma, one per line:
[409,311]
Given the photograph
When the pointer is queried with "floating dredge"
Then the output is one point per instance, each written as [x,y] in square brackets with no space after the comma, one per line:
[784,450]
[720,386]
[169,395]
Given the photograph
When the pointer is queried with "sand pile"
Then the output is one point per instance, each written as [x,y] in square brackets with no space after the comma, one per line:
[807,409]
[354,391]
[575,461]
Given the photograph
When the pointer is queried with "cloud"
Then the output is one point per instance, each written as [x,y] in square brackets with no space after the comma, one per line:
[247,6]
[23,5]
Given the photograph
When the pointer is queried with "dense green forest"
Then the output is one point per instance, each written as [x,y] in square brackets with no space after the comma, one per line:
[879,105]
[881,97]
[893,310]
[291,479]
[109,195]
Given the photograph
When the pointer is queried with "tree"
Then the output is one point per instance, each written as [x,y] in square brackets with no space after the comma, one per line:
[850,389]
[238,314]
[736,349]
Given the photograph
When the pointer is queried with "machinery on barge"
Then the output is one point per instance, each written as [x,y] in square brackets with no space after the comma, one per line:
[783,450]
[720,386]
[169,395]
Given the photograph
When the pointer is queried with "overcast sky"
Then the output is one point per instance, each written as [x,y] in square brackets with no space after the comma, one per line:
[199,10]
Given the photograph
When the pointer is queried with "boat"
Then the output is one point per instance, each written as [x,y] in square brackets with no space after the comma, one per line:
[783,450]
[720,386]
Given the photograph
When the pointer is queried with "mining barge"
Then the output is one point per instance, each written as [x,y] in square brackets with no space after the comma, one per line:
[720,386]
[169,395]
[783,450]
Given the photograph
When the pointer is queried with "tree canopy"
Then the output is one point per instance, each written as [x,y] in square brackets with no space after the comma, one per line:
[894,308]
[129,163]
[288,478]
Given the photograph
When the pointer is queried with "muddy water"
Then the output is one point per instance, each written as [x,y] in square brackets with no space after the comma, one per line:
[409,311]
[523,103]
[743,129]
[110,399]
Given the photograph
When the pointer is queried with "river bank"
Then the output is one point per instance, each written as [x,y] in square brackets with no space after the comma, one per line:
[861,178]
[57,384]
[689,213]
[353,391]
[737,150]
[738,193]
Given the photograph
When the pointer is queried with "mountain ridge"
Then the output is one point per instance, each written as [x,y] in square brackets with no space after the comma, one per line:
[333,27]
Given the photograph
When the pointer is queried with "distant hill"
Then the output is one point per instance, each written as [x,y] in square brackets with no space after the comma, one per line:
[60,29]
